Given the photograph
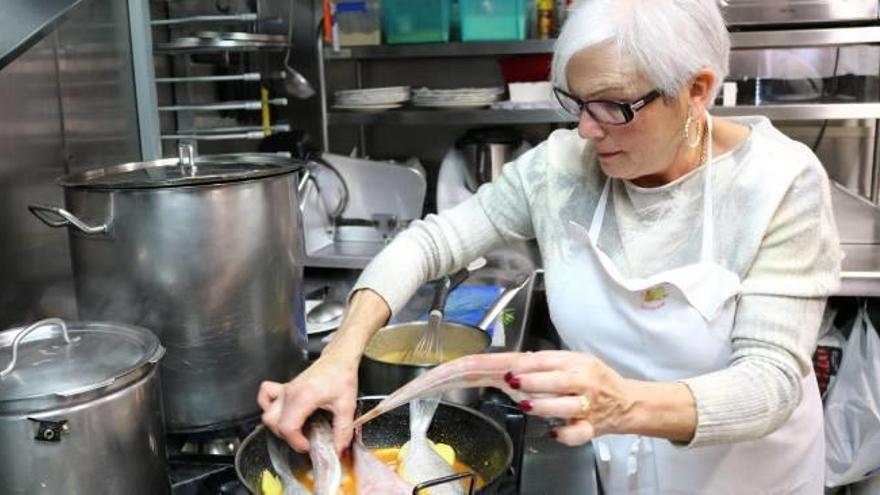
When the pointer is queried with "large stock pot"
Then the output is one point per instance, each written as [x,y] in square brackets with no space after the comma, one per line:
[81,410]
[206,252]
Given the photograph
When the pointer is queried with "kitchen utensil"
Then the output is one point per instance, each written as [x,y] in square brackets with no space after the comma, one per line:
[381,372]
[246,17]
[295,83]
[245,132]
[194,44]
[81,410]
[247,76]
[486,152]
[429,349]
[478,442]
[226,105]
[325,312]
[206,252]
[243,36]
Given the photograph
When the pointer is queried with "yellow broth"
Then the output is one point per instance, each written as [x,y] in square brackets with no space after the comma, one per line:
[389,456]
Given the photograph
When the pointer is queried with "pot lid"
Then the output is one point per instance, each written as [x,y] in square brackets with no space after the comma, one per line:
[184,171]
[49,366]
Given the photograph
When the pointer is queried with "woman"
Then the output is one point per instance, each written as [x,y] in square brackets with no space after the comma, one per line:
[688,260]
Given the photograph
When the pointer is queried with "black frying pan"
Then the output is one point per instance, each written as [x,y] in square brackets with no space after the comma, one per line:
[478,442]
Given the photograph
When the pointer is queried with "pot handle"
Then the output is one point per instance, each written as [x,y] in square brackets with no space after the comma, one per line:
[21,335]
[309,175]
[46,212]
[160,352]
[509,293]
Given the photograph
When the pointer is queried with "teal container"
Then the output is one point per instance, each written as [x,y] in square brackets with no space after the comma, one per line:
[492,20]
[416,21]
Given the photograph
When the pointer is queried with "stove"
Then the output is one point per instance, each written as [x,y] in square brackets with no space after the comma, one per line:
[204,463]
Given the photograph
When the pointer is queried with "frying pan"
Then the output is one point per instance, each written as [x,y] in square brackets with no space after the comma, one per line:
[478,442]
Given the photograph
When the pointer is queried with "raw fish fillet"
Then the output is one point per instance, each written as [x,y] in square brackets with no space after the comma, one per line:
[278,456]
[420,461]
[326,467]
[474,371]
[373,475]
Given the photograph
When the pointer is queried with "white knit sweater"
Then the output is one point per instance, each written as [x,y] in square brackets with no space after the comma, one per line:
[774,228]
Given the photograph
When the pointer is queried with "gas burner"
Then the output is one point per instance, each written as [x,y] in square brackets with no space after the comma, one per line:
[219,446]
[221,442]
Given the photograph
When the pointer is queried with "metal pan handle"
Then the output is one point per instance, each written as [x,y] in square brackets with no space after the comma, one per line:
[24,333]
[45,214]
[472,478]
[509,293]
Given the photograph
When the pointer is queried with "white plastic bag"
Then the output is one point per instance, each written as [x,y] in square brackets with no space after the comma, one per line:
[852,410]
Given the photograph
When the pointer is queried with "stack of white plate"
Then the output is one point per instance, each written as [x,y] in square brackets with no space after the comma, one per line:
[452,98]
[372,99]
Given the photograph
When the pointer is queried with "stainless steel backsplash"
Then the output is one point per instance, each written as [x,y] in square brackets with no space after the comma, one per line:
[68,103]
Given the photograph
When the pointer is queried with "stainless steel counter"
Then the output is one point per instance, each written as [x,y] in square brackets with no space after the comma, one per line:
[858,222]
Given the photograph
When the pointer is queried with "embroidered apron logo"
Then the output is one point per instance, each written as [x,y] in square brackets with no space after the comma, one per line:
[655,297]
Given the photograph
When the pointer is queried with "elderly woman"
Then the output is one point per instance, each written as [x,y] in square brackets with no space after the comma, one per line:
[688,260]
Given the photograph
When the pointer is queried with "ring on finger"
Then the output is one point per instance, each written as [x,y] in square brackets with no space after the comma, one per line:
[584,409]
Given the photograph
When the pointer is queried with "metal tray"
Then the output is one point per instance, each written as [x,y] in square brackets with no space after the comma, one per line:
[192,44]
[242,36]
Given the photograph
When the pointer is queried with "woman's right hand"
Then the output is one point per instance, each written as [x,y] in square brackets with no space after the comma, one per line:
[330,384]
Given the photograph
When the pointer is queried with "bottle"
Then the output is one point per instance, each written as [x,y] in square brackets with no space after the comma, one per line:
[561,12]
[545,19]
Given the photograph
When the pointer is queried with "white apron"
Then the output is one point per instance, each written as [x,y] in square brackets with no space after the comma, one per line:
[670,326]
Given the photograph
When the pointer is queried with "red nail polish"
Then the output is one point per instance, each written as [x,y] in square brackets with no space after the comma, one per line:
[553,434]
[525,405]
[514,382]
[508,376]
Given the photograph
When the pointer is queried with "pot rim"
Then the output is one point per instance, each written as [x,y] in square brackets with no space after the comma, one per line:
[508,443]
[87,392]
[485,335]
[273,164]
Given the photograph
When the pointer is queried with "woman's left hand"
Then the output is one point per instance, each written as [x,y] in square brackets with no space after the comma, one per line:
[581,388]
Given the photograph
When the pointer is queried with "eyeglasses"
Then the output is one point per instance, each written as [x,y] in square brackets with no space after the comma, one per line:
[604,111]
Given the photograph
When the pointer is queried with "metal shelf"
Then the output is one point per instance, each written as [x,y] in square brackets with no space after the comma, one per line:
[805,38]
[441,50]
[449,117]
[805,111]
[788,38]
[814,111]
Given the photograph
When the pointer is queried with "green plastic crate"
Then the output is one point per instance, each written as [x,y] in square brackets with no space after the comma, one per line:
[416,21]
[492,20]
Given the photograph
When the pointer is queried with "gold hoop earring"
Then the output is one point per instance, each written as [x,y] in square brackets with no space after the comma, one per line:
[687,132]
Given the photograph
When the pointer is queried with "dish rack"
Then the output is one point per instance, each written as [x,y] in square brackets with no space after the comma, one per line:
[220,75]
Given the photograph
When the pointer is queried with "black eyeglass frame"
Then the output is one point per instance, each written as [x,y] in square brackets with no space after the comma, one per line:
[628,109]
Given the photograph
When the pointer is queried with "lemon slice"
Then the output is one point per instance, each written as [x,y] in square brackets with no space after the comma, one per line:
[269,484]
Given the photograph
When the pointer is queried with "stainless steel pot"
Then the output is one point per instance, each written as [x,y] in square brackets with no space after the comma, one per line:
[81,410]
[207,253]
[381,373]
[486,152]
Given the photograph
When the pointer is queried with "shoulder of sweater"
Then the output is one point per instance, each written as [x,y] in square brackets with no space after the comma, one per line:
[772,153]
[771,163]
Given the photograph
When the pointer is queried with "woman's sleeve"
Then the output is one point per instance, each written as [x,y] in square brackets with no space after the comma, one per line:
[498,213]
[777,319]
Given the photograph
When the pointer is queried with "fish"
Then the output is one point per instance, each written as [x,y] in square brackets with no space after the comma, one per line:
[472,371]
[280,459]
[420,461]
[373,475]
[326,466]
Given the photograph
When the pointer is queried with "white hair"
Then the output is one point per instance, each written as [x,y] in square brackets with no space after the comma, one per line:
[669,41]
